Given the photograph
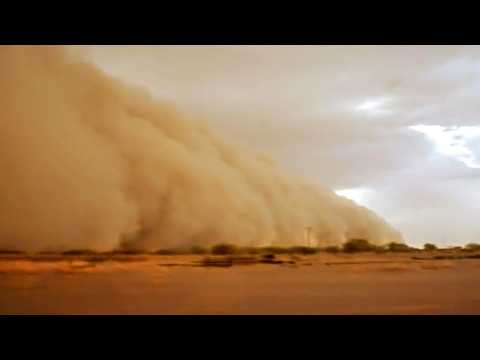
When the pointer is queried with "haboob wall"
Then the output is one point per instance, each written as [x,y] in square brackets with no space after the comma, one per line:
[87,161]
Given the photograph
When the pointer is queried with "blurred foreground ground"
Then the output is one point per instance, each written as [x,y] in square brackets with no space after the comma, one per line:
[317,284]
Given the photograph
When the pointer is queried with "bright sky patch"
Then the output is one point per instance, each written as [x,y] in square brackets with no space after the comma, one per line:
[452,141]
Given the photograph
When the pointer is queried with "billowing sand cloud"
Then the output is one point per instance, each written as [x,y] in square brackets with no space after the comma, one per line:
[87,161]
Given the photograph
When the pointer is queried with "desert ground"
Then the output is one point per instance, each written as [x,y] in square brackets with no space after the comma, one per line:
[323,283]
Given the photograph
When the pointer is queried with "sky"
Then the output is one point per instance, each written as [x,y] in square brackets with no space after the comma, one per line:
[395,128]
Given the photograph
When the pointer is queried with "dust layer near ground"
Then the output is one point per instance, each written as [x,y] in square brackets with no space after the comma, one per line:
[324,283]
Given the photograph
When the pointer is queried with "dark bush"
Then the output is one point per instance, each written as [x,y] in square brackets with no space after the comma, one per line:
[397,247]
[472,247]
[274,250]
[332,249]
[358,245]
[224,249]
[11,252]
[303,250]
[79,252]
[172,251]
[430,247]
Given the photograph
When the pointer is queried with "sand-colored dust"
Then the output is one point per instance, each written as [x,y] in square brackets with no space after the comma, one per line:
[90,162]
[316,284]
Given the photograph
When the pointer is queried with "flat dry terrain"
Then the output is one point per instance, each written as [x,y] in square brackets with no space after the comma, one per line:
[317,284]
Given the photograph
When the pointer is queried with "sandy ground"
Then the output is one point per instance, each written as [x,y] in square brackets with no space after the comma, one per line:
[317,284]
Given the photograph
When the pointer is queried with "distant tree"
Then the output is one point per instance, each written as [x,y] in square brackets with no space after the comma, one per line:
[472,247]
[397,247]
[224,249]
[358,245]
[430,247]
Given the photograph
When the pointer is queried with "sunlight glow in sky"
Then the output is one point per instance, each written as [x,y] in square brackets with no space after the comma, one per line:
[451,141]
[358,195]
[374,106]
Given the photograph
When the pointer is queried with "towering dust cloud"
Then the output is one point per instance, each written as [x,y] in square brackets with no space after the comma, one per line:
[89,162]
